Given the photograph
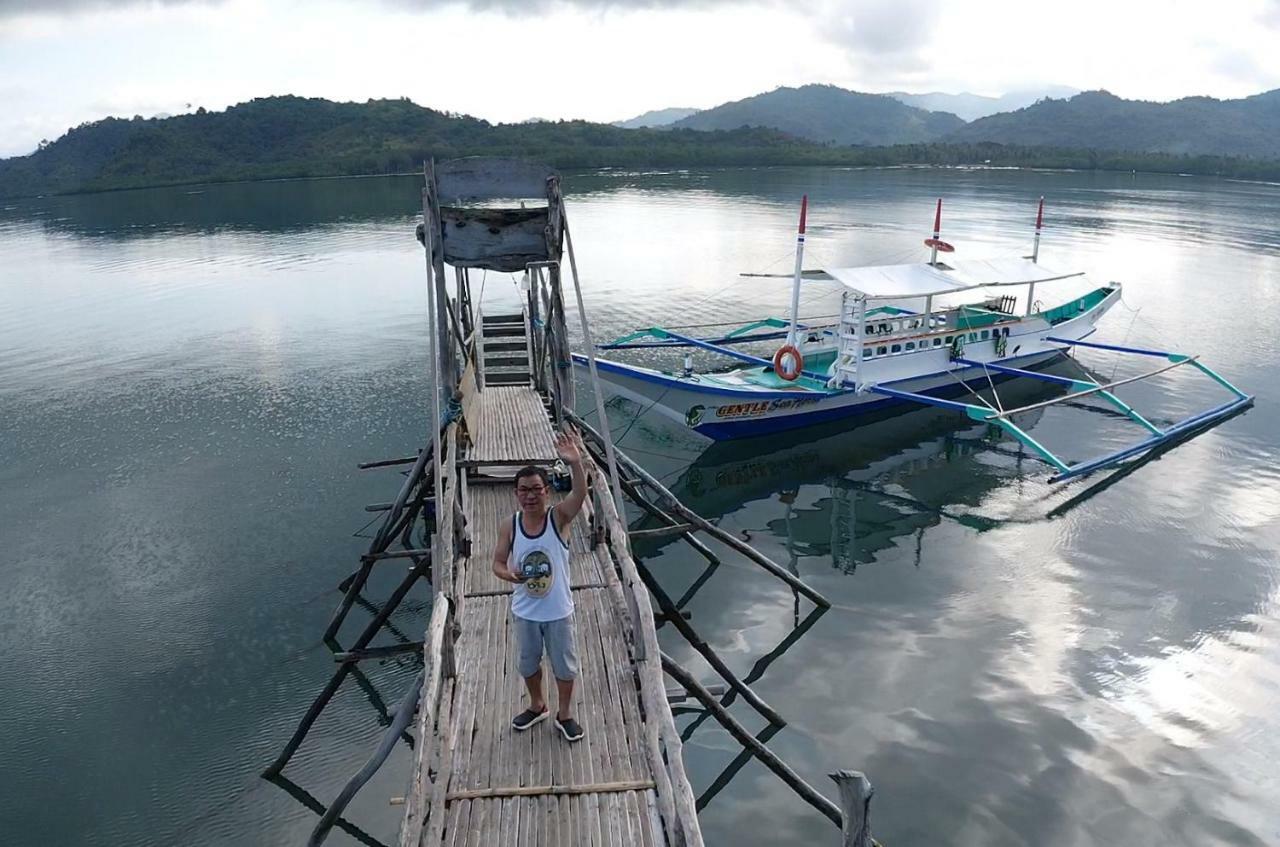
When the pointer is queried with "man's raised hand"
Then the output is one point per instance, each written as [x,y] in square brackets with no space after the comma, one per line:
[569,446]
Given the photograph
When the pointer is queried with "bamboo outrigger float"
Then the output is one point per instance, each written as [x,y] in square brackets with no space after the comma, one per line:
[890,345]
[503,382]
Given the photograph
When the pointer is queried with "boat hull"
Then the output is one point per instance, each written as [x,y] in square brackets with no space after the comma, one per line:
[721,413]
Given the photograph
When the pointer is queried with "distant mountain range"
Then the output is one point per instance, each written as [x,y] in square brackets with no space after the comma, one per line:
[828,115]
[280,137]
[1101,121]
[1092,120]
[656,119]
[966,106]
[970,107]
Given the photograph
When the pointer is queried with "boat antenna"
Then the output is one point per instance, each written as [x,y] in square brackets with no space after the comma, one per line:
[795,285]
[1035,250]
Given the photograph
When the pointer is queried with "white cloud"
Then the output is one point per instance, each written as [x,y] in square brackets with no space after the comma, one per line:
[603,60]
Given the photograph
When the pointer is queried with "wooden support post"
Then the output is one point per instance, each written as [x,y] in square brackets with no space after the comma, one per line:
[563,395]
[673,615]
[766,756]
[645,503]
[419,569]
[448,367]
[377,652]
[855,804]
[388,529]
[657,534]
[353,586]
[457,330]
[705,525]
[400,721]
[679,695]
[395,554]
[386,463]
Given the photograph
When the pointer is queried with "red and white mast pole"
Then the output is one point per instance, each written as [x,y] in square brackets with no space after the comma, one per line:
[1035,256]
[937,233]
[795,284]
[1035,250]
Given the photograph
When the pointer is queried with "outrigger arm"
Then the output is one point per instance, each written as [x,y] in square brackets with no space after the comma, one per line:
[658,332]
[1078,388]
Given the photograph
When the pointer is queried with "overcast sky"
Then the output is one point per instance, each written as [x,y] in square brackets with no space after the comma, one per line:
[63,62]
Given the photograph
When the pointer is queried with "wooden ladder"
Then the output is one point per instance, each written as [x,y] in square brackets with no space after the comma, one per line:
[505,359]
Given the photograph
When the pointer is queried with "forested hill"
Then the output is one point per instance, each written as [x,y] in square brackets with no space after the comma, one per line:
[283,137]
[827,114]
[280,137]
[1101,121]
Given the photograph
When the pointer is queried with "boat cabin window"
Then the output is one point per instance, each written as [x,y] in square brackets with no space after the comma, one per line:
[950,338]
[911,345]
[937,342]
[880,351]
[897,348]
[973,336]
[984,335]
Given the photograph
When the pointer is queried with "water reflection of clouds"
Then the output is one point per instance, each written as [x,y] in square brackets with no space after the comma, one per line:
[1014,635]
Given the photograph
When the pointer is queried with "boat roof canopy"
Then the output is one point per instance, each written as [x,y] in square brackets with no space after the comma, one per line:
[893,282]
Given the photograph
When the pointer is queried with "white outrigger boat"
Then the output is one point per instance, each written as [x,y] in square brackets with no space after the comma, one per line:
[880,354]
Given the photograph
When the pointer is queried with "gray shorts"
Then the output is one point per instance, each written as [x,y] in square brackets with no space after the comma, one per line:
[558,640]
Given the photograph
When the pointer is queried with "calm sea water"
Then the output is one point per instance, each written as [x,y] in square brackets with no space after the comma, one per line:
[188,378]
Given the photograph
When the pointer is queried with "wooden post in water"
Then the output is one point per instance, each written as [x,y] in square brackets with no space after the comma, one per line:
[855,806]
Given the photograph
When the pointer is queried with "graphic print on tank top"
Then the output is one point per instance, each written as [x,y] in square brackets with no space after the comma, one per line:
[538,574]
[542,561]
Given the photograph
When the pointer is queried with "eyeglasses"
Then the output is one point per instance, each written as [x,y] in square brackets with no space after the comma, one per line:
[521,489]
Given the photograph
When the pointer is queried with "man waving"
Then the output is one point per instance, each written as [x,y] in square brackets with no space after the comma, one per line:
[533,553]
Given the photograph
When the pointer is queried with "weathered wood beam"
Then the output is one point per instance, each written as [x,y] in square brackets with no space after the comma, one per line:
[705,525]
[660,532]
[704,649]
[377,652]
[386,463]
[855,804]
[679,695]
[403,716]
[428,709]
[395,554]
[304,726]
[632,490]
[542,790]
[770,759]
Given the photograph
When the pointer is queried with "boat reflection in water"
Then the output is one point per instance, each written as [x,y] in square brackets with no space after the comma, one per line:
[886,479]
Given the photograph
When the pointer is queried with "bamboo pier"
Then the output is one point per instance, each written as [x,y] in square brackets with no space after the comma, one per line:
[624,783]
[504,384]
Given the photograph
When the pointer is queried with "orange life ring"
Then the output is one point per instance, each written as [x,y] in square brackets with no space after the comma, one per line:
[788,373]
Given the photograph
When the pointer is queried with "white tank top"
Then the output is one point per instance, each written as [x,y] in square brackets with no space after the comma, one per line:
[546,596]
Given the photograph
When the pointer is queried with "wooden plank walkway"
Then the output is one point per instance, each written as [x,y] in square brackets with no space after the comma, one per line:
[494,785]
[510,427]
